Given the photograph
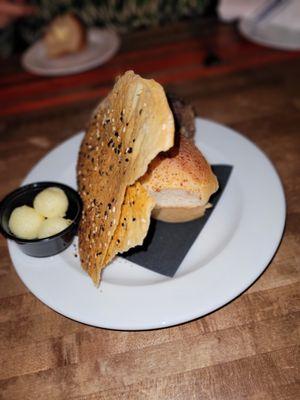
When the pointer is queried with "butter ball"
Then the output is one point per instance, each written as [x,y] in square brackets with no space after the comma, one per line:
[52,226]
[25,222]
[51,202]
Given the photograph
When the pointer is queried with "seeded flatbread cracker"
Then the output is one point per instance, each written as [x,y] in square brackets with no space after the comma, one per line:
[129,128]
[134,221]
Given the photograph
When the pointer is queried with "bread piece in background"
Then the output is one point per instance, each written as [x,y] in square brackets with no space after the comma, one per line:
[66,34]
[181,182]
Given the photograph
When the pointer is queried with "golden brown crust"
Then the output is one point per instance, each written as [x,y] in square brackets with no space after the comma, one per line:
[124,136]
[182,168]
[178,214]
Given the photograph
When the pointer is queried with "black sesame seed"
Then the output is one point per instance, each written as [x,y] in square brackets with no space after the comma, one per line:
[126,159]
[129,150]
[133,219]
[116,134]
[109,206]
[110,142]
[140,112]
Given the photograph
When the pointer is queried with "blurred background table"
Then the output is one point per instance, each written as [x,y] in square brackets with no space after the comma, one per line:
[247,349]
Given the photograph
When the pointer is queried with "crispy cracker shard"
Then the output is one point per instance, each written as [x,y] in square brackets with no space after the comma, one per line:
[129,128]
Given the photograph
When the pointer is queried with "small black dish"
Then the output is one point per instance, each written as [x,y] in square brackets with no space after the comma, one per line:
[48,246]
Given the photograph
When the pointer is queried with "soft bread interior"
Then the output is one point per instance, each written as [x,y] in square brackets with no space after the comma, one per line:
[175,198]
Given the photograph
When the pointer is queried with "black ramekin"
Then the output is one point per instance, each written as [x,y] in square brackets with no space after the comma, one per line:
[51,245]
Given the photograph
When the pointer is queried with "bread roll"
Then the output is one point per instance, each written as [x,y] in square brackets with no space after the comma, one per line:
[181,182]
[66,34]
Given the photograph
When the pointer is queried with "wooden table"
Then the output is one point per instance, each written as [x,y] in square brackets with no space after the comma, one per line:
[246,350]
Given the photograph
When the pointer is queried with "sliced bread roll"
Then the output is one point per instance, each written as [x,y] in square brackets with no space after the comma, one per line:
[181,182]
[66,34]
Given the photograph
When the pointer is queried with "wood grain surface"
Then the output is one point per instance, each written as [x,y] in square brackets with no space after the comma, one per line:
[249,349]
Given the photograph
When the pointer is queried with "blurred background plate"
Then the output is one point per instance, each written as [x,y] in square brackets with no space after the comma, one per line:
[275,24]
[102,45]
[277,37]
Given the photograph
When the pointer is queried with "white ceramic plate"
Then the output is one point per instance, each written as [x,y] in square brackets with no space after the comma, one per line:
[102,44]
[269,35]
[232,250]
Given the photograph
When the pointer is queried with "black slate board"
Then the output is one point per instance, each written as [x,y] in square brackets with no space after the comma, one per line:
[167,244]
